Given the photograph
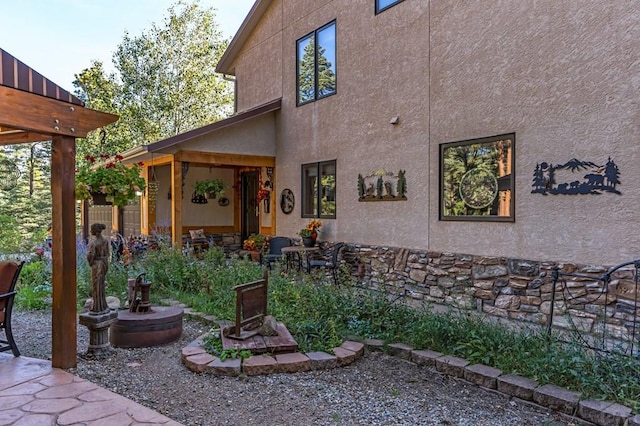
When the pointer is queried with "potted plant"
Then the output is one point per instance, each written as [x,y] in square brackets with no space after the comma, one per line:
[106,176]
[254,244]
[210,187]
[309,233]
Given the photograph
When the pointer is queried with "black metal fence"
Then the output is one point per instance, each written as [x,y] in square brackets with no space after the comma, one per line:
[601,311]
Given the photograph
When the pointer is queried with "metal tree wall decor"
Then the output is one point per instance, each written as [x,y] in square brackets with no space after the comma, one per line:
[382,186]
[558,179]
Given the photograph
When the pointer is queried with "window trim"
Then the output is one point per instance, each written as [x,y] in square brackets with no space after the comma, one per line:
[314,34]
[379,10]
[512,186]
[303,188]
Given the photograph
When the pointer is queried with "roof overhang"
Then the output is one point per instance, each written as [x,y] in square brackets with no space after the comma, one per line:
[250,21]
[174,144]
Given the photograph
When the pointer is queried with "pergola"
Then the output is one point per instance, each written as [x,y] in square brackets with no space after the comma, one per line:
[32,109]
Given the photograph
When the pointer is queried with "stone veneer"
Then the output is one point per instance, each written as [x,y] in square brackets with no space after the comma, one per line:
[514,289]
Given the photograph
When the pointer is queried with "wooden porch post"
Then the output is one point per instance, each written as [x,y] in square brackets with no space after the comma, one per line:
[64,319]
[176,203]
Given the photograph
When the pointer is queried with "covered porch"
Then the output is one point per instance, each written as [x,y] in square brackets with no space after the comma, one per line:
[238,151]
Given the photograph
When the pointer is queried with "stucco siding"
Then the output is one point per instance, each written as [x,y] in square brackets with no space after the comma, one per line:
[564,76]
[259,63]
[373,73]
[252,137]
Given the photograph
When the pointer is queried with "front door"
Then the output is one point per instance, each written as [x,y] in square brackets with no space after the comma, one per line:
[250,208]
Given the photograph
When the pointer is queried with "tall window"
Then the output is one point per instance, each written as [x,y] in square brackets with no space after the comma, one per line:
[316,62]
[477,179]
[319,189]
[382,5]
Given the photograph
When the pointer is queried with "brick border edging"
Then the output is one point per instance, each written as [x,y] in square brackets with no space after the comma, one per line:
[564,401]
[196,358]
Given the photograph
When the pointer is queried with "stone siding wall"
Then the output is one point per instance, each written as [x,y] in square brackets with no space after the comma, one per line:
[514,289]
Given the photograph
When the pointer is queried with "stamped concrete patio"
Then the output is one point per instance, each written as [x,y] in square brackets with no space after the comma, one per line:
[34,393]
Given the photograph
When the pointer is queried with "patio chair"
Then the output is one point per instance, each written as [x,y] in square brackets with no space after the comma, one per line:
[276,245]
[330,262]
[9,273]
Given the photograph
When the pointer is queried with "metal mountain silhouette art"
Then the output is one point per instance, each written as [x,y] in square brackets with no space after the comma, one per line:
[575,164]
[601,178]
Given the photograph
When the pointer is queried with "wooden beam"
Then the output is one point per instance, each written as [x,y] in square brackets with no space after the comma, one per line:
[63,256]
[12,137]
[226,159]
[38,114]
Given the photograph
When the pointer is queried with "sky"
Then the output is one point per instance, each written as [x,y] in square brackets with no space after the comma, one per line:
[60,38]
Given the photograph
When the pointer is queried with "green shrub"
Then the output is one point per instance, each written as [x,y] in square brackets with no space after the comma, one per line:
[34,285]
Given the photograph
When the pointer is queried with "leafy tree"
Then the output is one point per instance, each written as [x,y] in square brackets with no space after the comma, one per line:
[28,204]
[169,84]
[102,91]
[164,84]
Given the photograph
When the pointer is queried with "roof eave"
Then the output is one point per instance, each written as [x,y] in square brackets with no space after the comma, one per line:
[248,25]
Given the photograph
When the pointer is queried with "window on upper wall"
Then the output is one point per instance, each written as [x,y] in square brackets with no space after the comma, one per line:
[316,63]
[477,179]
[319,189]
[382,5]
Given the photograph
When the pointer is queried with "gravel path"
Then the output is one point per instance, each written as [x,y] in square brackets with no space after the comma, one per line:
[375,390]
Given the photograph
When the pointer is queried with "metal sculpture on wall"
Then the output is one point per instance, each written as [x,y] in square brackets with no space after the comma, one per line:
[550,179]
[382,186]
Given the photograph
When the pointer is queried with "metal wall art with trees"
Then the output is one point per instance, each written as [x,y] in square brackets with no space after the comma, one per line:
[382,186]
[559,179]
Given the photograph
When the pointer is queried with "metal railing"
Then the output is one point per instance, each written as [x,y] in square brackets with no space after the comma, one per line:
[602,311]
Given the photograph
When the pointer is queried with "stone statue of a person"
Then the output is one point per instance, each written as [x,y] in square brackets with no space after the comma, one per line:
[98,258]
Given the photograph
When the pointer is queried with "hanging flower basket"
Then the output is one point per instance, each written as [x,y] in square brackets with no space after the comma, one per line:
[108,176]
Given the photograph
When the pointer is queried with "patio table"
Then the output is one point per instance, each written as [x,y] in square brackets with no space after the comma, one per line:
[299,252]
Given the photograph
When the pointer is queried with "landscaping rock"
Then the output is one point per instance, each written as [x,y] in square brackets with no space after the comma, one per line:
[451,365]
[400,350]
[373,344]
[293,363]
[344,356]
[557,398]
[322,360]
[269,327]
[604,413]
[188,351]
[259,364]
[356,347]
[228,367]
[482,375]
[517,386]
[198,363]
[425,357]
[634,421]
